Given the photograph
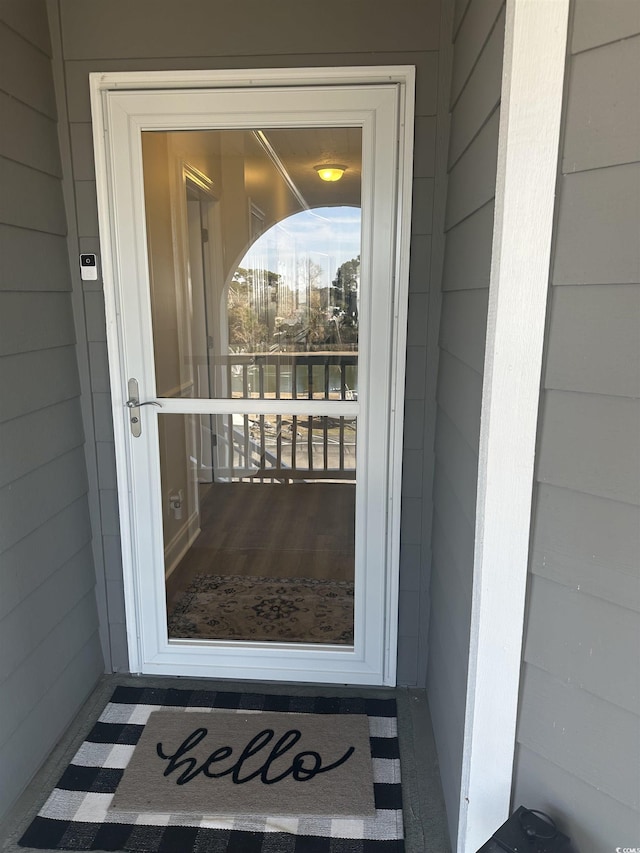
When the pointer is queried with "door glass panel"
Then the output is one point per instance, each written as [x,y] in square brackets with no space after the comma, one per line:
[254,262]
[259,526]
[254,266]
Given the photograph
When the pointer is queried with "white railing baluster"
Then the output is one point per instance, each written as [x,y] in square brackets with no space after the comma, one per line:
[251,454]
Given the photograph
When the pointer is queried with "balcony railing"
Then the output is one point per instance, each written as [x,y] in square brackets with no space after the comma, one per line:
[292,375]
[288,448]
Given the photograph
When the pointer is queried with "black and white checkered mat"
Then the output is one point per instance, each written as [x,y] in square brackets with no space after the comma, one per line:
[77,815]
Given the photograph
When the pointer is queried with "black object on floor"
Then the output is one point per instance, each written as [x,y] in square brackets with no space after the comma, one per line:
[527,831]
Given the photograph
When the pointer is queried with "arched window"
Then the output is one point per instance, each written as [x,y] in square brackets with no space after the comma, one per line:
[297,286]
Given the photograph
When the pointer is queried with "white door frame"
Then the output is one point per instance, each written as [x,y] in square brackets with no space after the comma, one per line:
[529,138]
[355,668]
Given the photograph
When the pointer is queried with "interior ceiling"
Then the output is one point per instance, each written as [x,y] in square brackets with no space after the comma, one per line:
[294,152]
[300,149]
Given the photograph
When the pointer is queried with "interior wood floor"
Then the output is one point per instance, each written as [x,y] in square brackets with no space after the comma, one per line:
[271,530]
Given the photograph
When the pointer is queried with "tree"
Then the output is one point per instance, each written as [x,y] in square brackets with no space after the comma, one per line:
[246,331]
[345,286]
[344,302]
[248,307]
[265,311]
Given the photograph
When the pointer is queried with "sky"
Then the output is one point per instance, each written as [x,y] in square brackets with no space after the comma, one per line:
[328,235]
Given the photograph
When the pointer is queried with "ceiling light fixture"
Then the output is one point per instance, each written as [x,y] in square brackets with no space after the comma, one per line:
[330,171]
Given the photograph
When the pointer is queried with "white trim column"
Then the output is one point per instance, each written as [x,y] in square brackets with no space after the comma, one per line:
[532,87]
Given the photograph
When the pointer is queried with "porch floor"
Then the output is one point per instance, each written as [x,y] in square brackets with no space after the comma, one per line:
[424,813]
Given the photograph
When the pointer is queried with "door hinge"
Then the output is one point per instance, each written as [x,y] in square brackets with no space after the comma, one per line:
[205,235]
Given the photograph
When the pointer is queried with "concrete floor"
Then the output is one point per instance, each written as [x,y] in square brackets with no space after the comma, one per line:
[424,814]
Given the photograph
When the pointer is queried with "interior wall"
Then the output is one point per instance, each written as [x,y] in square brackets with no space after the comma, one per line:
[470,111]
[50,655]
[224,157]
[578,737]
[164,34]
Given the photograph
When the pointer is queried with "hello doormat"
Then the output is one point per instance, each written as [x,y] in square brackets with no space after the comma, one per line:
[276,747]
[294,610]
[250,764]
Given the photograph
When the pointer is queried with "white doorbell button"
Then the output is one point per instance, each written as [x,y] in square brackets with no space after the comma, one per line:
[88,268]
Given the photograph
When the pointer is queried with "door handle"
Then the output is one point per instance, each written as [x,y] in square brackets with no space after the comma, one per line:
[134,405]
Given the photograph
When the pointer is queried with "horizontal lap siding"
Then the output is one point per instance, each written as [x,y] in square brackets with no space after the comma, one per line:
[573,728]
[598,243]
[49,650]
[193,28]
[53,377]
[27,446]
[468,225]
[589,443]
[571,796]
[589,543]
[34,321]
[32,260]
[579,722]
[25,70]
[579,356]
[20,123]
[165,35]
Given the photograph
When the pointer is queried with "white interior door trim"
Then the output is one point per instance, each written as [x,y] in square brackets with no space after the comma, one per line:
[531,108]
[354,668]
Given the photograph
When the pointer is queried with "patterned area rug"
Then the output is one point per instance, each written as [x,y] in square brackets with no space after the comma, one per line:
[248,608]
[77,815]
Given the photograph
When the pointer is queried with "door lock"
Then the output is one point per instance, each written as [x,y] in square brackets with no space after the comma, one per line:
[134,405]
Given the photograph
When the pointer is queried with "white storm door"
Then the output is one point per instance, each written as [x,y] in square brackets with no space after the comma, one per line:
[275,335]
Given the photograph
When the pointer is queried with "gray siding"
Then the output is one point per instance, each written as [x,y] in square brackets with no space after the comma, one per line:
[161,35]
[467,222]
[49,647]
[579,722]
